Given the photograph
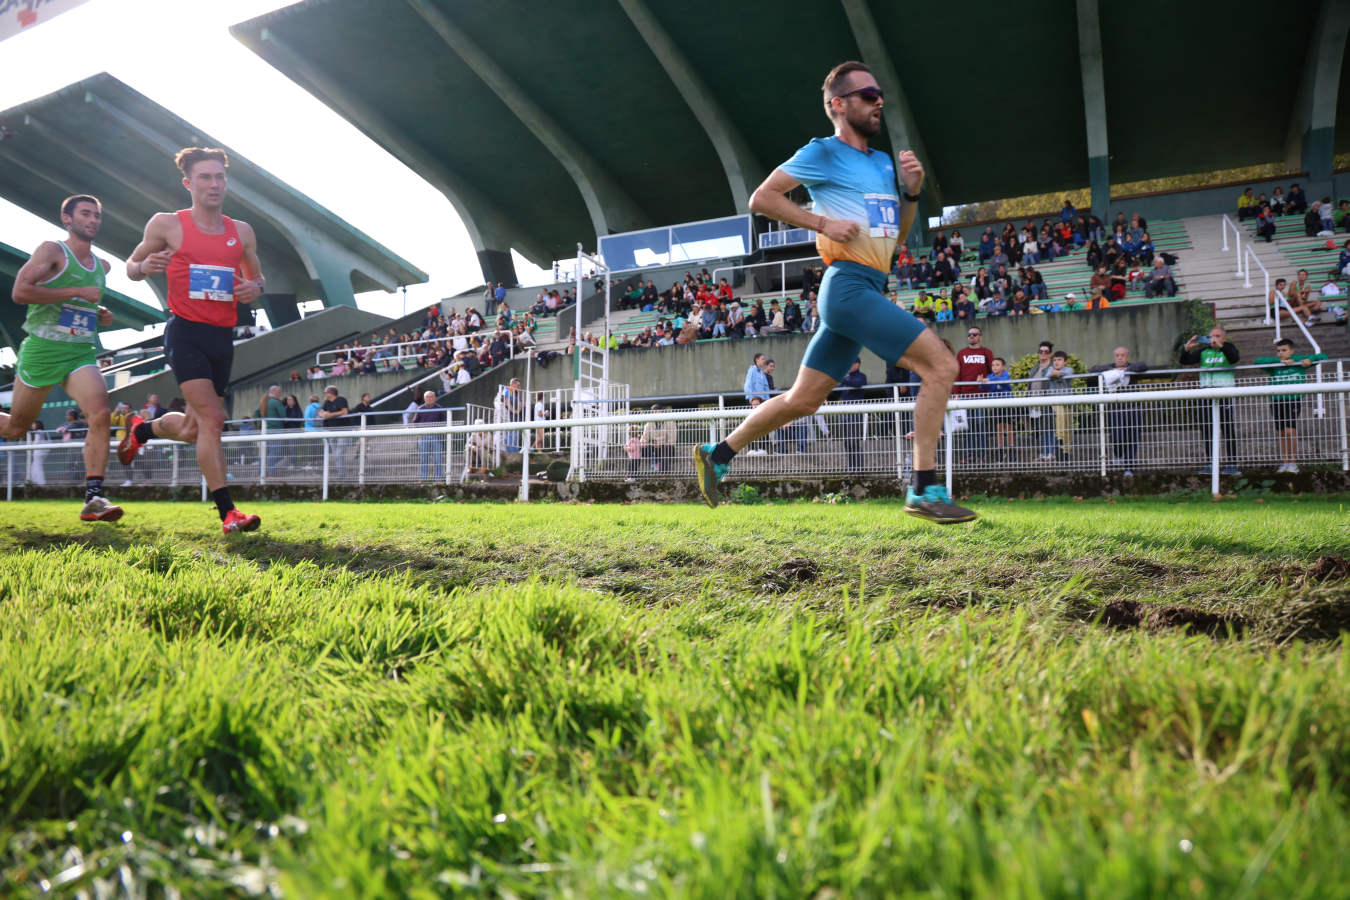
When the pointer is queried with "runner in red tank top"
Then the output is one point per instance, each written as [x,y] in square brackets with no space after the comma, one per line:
[211,263]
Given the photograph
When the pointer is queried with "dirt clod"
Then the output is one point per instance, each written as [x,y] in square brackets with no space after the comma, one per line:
[792,572]
[1330,568]
[1122,614]
[1125,614]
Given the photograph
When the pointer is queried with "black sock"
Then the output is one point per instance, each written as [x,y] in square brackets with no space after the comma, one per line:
[722,453]
[93,487]
[223,502]
[144,432]
[923,478]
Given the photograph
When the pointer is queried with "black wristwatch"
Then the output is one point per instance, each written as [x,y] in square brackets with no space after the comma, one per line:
[912,198]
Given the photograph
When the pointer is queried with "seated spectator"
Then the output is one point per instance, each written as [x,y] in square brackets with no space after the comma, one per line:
[792,316]
[735,320]
[1265,223]
[1277,200]
[1098,299]
[986,248]
[1019,305]
[1330,289]
[981,285]
[925,307]
[942,309]
[944,272]
[1096,229]
[997,305]
[1035,285]
[1144,250]
[1343,215]
[1246,205]
[540,306]
[1100,281]
[707,319]
[940,244]
[1301,287]
[812,320]
[924,273]
[1070,303]
[1312,220]
[689,333]
[1159,280]
[1296,298]
[1120,277]
[756,321]
[724,292]
[963,308]
[958,244]
[903,270]
[1298,201]
[776,324]
[1343,261]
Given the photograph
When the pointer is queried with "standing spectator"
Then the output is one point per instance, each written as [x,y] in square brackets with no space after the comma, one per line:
[312,424]
[512,400]
[334,414]
[851,424]
[1068,213]
[152,410]
[430,447]
[1125,420]
[986,249]
[633,447]
[1160,280]
[658,441]
[1216,357]
[1286,368]
[500,296]
[363,408]
[756,387]
[37,459]
[1059,380]
[998,384]
[975,362]
[274,419]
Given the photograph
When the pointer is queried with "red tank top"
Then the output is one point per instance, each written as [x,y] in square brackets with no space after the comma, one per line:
[203,272]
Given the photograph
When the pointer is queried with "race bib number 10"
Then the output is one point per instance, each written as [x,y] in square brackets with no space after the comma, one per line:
[883,215]
[210,282]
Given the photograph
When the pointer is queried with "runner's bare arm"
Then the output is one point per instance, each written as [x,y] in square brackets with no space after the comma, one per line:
[911,180]
[152,254]
[43,264]
[105,316]
[769,200]
[254,284]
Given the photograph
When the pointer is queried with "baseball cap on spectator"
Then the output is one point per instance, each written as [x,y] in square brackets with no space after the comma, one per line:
[1069,296]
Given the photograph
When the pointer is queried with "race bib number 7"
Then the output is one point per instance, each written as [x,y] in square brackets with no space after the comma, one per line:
[210,282]
[883,215]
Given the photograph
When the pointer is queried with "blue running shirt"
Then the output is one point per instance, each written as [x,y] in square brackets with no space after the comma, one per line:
[858,186]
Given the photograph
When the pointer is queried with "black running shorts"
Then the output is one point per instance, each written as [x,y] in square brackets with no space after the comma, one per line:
[198,350]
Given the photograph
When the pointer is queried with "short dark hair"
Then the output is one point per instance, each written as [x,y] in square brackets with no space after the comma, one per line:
[1000,359]
[1045,344]
[836,75]
[768,362]
[1279,281]
[188,157]
[1060,354]
[68,205]
[1284,342]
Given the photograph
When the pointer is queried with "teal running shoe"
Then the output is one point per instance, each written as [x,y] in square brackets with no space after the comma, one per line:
[709,473]
[935,505]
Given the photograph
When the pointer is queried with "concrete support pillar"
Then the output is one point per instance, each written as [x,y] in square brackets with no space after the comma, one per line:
[1311,139]
[282,309]
[1094,106]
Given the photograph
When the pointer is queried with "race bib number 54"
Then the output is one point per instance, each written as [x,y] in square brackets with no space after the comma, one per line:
[883,215]
[77,321]
[210,282]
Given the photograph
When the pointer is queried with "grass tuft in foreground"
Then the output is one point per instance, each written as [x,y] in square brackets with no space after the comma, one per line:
[792,700]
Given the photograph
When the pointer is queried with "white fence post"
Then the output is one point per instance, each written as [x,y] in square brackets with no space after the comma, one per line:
[9,468]
[1214,445]
[361,453]
[1345,444]
[324,441]
[948,455]
[1101,422]
[263,446]
[899,436]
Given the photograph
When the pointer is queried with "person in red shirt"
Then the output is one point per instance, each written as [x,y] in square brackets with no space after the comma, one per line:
[211,264]
[975,362]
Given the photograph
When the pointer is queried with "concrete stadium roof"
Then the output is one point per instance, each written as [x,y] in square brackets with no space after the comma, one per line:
[101,137]
[546,124]
[130,313]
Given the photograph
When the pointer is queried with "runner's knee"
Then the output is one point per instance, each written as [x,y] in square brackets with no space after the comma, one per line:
[99,417]
[16,427]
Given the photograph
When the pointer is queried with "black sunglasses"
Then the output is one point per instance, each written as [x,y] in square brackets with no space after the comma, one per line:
[867,94]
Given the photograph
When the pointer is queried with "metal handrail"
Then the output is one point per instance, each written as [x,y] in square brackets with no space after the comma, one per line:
[782,266]
[1248,256]
[1225,224]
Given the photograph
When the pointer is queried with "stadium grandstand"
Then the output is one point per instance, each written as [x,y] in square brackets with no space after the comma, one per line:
[652,171]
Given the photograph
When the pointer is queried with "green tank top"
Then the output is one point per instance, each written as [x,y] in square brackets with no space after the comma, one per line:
[72,321]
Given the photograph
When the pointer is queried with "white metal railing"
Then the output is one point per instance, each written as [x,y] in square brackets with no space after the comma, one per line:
[785,237]
[1246,258]
[1211,429]
[782,265]
[1225,225]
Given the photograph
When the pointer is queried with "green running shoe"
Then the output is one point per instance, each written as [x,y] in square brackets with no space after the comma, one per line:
[935,505]
[709,473]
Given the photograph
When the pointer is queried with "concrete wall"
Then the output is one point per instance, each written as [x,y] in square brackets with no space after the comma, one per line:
[1205,202]
[1149,330]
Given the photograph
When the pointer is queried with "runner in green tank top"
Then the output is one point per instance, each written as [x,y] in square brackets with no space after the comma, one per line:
[61,285]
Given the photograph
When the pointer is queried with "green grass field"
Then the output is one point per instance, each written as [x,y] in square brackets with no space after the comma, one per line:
[1069,699]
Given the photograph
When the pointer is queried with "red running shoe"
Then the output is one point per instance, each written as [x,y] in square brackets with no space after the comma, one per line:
[128,447]
[100,509]
[235,521]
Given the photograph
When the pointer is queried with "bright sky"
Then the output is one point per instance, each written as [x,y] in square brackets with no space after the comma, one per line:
[258,112]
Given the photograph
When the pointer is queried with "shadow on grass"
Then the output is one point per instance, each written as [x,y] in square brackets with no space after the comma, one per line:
[367,560]
[97,537]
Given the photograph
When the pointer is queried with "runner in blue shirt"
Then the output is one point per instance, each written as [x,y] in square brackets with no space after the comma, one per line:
[860,214]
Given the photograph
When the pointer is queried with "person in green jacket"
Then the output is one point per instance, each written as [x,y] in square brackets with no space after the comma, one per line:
[1286,368]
